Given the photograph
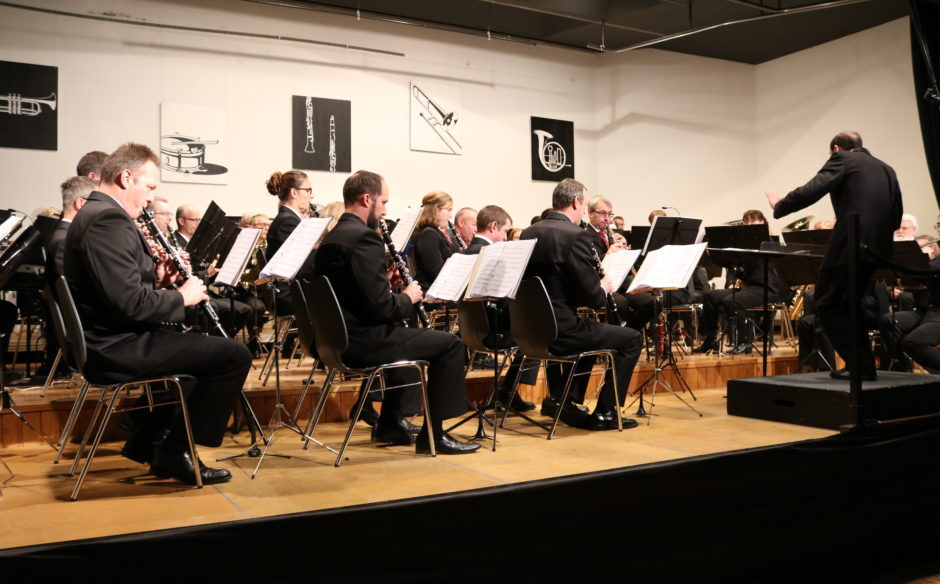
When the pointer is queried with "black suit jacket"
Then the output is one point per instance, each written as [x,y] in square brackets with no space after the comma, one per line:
[431,251]
[352,256]
[111,276]
[857,182]
[563,259]
[55,251]
[476,245]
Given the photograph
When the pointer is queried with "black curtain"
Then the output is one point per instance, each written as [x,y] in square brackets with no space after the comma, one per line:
[925,37]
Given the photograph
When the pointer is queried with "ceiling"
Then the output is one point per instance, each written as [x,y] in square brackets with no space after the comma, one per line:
[747,31]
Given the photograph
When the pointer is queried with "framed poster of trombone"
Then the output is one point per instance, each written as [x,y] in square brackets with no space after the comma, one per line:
[28,102]
[435,113]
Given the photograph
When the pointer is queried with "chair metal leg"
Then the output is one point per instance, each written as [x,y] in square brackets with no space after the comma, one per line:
[318,410]
[303,394]
[564,398]
[70,422]
[88,432]
[427,410]
[94,445]
[51,376]
[355,418]
[197,475]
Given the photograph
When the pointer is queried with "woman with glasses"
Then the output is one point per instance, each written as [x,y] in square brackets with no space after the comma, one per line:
[433,243]
[292,188]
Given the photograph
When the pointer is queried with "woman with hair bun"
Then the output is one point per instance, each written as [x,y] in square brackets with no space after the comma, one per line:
[292,188]
[432,242]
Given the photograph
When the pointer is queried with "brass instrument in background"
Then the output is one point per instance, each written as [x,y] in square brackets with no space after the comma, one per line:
[796,305]
[799,224]
[734,222]
[17,105]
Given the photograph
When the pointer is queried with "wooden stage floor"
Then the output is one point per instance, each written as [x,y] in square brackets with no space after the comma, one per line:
[119,497]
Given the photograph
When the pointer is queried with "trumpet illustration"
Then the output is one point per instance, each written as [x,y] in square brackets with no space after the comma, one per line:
[17,105]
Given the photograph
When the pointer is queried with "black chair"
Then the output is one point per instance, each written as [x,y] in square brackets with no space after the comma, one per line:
[305,336]
[534,328]
[332,340]
[110,390]
[477,335]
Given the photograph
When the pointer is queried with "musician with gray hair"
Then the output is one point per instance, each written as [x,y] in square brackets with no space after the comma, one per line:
[121,296]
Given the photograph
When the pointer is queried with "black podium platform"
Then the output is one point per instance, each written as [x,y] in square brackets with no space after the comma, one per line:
[814,399]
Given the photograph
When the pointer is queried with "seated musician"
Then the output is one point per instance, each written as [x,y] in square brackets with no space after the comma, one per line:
[733,302]
[352,256]
[637,310]
[493,226]
[433,243]
[562,258]
[293,190]
[465,224]
[116,285]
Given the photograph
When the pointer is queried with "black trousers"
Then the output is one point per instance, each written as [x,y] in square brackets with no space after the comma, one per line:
[832,306]
[446,356]
[219,367]
[731,303]
[922,339]
[811,339]
[637,310]
[588,335]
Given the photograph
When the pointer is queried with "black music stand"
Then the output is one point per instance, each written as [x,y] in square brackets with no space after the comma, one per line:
[801,267]
[10,261]
[665,231]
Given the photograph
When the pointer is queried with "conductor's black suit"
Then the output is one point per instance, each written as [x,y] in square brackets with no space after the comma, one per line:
[858,183]
[111,276]
[562,259]
[352,256]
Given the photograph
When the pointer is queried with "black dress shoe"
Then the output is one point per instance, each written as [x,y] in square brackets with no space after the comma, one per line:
[444,443]
[180,467]
[707,346]
[369,415]
[550,407]
[395,431]
[605,421]
[138,450]
[517,405]
[743,348]
[845,375]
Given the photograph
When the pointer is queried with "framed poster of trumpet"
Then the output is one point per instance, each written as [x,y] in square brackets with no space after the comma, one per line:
[552,149]
[320,137]
[28,101]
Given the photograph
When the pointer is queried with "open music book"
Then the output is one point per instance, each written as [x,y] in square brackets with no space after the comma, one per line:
[494,273]
[292,254]
[403,229]
[617,265]
[238,257]
[670,266]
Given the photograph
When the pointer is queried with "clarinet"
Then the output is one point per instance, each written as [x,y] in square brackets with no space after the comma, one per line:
[402,269]
[182,267]
[461,244]
[612,313]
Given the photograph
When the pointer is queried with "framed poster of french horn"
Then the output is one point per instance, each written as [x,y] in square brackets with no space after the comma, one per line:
[28,106]
[320,139]
[193,144]
[552,149]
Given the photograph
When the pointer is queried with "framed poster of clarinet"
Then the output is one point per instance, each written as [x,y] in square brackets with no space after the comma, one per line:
[320,137]
[28,101]
[552,149]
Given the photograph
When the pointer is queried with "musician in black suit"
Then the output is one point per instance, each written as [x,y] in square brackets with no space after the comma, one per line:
[562,259]
[733,301]
[293,190]
[432,242]
[858,183]
[352,256]
[637,310]
[493,226]
[118,289]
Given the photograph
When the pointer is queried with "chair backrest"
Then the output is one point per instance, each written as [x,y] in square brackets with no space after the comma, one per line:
[474,326]
[302,318]
[532,319]
[329,326]
[73,324]
[58,326]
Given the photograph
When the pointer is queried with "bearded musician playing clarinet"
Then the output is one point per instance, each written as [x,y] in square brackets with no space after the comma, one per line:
[352,256]
[119,291]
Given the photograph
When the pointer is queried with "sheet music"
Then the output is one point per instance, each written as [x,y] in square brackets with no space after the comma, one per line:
[670,266]
[238,257]
[292,254]
[499,269]
[617,265]
[9,226]
[402,232]
[453,277]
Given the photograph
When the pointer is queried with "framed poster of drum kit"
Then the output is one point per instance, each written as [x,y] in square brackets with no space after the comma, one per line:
[193,144]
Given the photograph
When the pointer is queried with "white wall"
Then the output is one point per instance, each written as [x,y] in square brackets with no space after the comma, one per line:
[652,127]
[862,82]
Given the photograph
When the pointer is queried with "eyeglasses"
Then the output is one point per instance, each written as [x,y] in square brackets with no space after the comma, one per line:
[308,189]
[194,219]
[604,213]
[166,213]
